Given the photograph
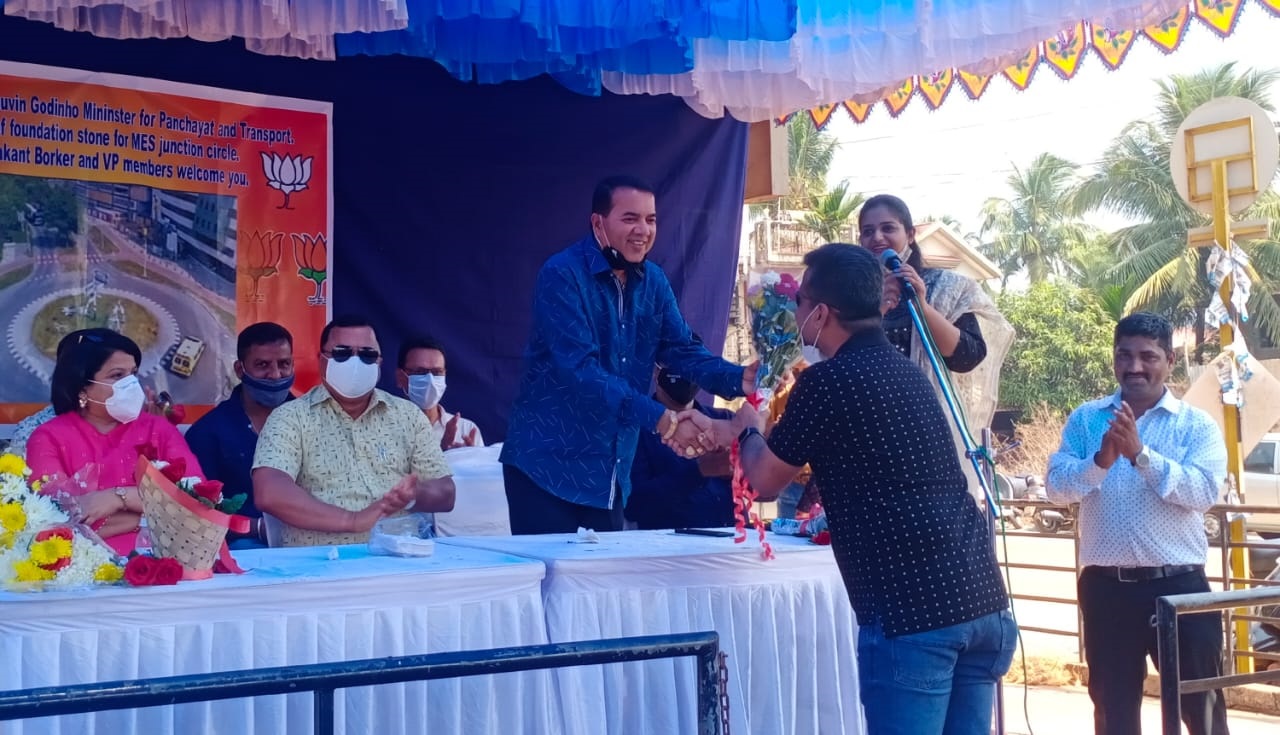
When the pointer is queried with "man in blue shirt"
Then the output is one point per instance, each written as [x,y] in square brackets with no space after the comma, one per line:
[671,491]
[224,440]
[602,317]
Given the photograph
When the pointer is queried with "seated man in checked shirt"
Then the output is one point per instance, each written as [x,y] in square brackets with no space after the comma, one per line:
[1144,467]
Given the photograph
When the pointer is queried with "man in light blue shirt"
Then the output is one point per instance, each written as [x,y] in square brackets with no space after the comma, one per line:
[1144,467]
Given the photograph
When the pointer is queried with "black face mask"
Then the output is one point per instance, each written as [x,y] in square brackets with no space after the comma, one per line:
[616,261]
[680,390]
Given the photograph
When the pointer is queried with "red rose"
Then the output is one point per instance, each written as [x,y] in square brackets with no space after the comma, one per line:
[175,470]
[148,451]
[146,571]
[822,538]
[60,531]
[176,414]
[210,490]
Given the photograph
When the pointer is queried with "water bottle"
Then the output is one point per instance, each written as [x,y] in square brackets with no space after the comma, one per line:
[143,543]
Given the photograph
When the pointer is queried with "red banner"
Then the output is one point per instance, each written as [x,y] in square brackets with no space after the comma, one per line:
[173,213]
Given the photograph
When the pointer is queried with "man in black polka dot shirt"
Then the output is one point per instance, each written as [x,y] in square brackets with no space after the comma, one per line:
[915,551]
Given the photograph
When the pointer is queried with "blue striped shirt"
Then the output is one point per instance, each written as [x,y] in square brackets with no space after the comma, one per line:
[584,397]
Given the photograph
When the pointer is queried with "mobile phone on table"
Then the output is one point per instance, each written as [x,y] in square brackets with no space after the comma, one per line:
[704,532]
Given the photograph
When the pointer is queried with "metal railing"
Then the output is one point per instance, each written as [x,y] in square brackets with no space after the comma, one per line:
[1172,687]
[1072,535]
[324,679]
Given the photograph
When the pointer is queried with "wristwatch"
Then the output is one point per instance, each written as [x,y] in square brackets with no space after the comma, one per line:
[1143,459]
[746,433]
[124,502]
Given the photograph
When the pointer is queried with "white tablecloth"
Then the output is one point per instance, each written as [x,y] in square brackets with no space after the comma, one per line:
[293,607]
[786,624]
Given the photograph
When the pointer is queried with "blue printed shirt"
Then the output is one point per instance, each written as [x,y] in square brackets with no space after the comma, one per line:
[669,491]
[584,400]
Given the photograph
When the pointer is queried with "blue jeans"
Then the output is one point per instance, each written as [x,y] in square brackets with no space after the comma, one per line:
[940,682]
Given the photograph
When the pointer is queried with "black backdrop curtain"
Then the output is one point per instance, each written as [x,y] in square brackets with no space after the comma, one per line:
[449,196]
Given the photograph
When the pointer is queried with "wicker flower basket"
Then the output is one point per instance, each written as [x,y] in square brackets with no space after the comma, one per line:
[181,527]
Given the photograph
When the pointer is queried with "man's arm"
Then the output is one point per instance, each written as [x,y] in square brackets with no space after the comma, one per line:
[1194,481]
[432,485]
[1073,472]
[678,349]
[560,318]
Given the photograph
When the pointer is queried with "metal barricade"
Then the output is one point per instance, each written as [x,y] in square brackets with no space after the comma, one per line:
[324,679]
[1172,687]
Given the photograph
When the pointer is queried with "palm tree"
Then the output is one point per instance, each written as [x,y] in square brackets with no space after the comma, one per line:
[1034,230]
[831,214]
[1133,179]
[809,155]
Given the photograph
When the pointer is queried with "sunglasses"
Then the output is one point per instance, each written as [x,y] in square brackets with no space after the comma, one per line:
[342,353]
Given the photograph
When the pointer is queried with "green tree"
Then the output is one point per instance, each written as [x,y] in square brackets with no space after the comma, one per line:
[809,155]
[1034,230]
[1133,179]
[1062,356]
[832,213]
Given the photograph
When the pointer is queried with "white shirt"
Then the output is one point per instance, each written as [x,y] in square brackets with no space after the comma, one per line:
[465,426]
[1132,517]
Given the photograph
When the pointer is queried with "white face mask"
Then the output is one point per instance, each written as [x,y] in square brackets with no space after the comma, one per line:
[811,353]
[425,391]
[352,378]
[126,399]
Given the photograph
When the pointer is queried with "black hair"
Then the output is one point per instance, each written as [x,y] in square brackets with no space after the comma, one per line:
[418,342]
[262,333]
[903,214]
[846,278]
[602,197]
[80,360]
[345,321]
[1146,324]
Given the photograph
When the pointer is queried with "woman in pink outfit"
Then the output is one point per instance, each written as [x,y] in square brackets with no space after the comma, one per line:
[101,422]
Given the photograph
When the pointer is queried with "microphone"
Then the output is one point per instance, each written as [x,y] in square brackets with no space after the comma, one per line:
[890,260]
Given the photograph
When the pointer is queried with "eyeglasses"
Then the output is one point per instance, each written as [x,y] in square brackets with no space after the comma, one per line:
[342,353]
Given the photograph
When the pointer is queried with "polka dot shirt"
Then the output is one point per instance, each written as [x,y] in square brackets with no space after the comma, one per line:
[915,551]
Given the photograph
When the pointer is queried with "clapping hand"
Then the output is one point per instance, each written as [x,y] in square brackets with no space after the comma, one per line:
[1124,433]
[392,502]
[450,438]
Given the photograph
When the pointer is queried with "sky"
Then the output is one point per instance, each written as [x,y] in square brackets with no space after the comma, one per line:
[949,161]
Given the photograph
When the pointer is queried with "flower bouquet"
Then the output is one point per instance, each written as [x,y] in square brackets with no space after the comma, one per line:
[774,332]
[40,546]
[188,517]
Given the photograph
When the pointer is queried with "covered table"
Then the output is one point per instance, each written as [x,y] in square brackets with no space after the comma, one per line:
[786,625]
[294,606]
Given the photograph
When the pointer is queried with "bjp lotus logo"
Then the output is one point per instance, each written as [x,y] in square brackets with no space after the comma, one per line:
[263,250]
[311,253]
[286,173]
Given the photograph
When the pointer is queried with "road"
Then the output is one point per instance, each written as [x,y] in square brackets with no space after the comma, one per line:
[192,314]
[1056,551]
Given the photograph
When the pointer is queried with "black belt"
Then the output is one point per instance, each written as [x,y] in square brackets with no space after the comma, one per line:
[1145,574]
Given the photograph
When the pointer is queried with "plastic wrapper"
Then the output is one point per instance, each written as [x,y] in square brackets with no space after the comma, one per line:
[771,297]
[806,527]
[408,535]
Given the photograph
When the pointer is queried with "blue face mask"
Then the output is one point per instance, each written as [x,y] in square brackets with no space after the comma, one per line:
[269,393]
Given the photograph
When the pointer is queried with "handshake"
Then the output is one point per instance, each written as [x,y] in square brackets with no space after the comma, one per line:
[691,433]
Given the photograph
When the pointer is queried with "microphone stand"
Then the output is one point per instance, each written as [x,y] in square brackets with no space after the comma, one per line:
[971,450]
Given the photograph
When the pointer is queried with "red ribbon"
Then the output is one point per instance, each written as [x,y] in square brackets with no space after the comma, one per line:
[744,496]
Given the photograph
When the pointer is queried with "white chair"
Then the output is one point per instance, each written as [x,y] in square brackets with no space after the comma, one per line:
[480,503]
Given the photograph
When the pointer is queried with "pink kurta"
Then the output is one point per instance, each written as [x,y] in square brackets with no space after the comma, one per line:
[68,443]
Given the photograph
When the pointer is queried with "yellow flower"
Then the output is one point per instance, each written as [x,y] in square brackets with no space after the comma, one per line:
[108,573]
[50,550]
[12,464]
[12,517]
[6,539]
[27,571]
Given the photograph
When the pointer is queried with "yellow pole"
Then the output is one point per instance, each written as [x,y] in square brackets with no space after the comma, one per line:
[1231,413]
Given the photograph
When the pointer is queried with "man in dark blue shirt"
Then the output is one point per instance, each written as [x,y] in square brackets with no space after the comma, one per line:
[602,317]
[225,439]
[671,491]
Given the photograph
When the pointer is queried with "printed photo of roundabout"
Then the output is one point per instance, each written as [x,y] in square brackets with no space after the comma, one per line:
[156,265]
